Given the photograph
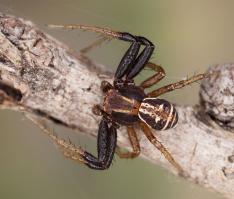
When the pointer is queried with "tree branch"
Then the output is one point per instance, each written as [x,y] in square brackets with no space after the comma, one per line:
[41,76]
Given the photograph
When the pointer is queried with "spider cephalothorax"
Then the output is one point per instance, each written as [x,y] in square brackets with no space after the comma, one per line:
[127,104]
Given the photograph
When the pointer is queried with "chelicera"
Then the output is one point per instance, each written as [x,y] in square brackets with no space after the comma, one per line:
[129,105]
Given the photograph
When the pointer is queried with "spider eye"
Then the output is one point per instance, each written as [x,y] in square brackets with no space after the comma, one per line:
[159,114]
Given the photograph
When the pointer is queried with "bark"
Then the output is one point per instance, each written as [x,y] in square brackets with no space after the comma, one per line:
[41,76]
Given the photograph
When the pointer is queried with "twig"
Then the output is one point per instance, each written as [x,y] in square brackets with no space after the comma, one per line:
[41,76]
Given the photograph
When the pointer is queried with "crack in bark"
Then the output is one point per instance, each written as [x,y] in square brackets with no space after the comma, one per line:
[14,93]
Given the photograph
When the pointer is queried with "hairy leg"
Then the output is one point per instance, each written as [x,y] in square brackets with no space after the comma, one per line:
[135,145]
[104,31]
[176,85]
[106,145]
[131,64]
[160,147]
[160,74]
[93,45]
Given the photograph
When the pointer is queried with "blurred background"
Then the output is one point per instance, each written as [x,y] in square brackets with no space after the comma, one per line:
[189,35]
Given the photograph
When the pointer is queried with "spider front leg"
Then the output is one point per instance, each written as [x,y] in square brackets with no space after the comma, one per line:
[131,68]
[160,147]
[142,58]
[129,56]
[131,64]
[176,85]
[69,150]
[107,137]
[135,145]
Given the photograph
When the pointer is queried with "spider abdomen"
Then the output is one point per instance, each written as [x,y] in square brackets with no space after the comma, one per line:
[159,114]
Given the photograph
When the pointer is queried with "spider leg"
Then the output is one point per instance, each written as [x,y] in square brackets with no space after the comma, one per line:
[160,147]
[135,145]
[142,58]
[97,110]
[176,85]
[93,45]
[130,57]
[104,31]
[69,150]
[106,86]
[107,137]
[160,74]
[131,64]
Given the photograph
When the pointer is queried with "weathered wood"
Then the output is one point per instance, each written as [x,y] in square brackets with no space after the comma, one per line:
[41,76]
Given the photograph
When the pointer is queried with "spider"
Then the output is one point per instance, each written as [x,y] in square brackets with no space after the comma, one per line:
[129,105]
